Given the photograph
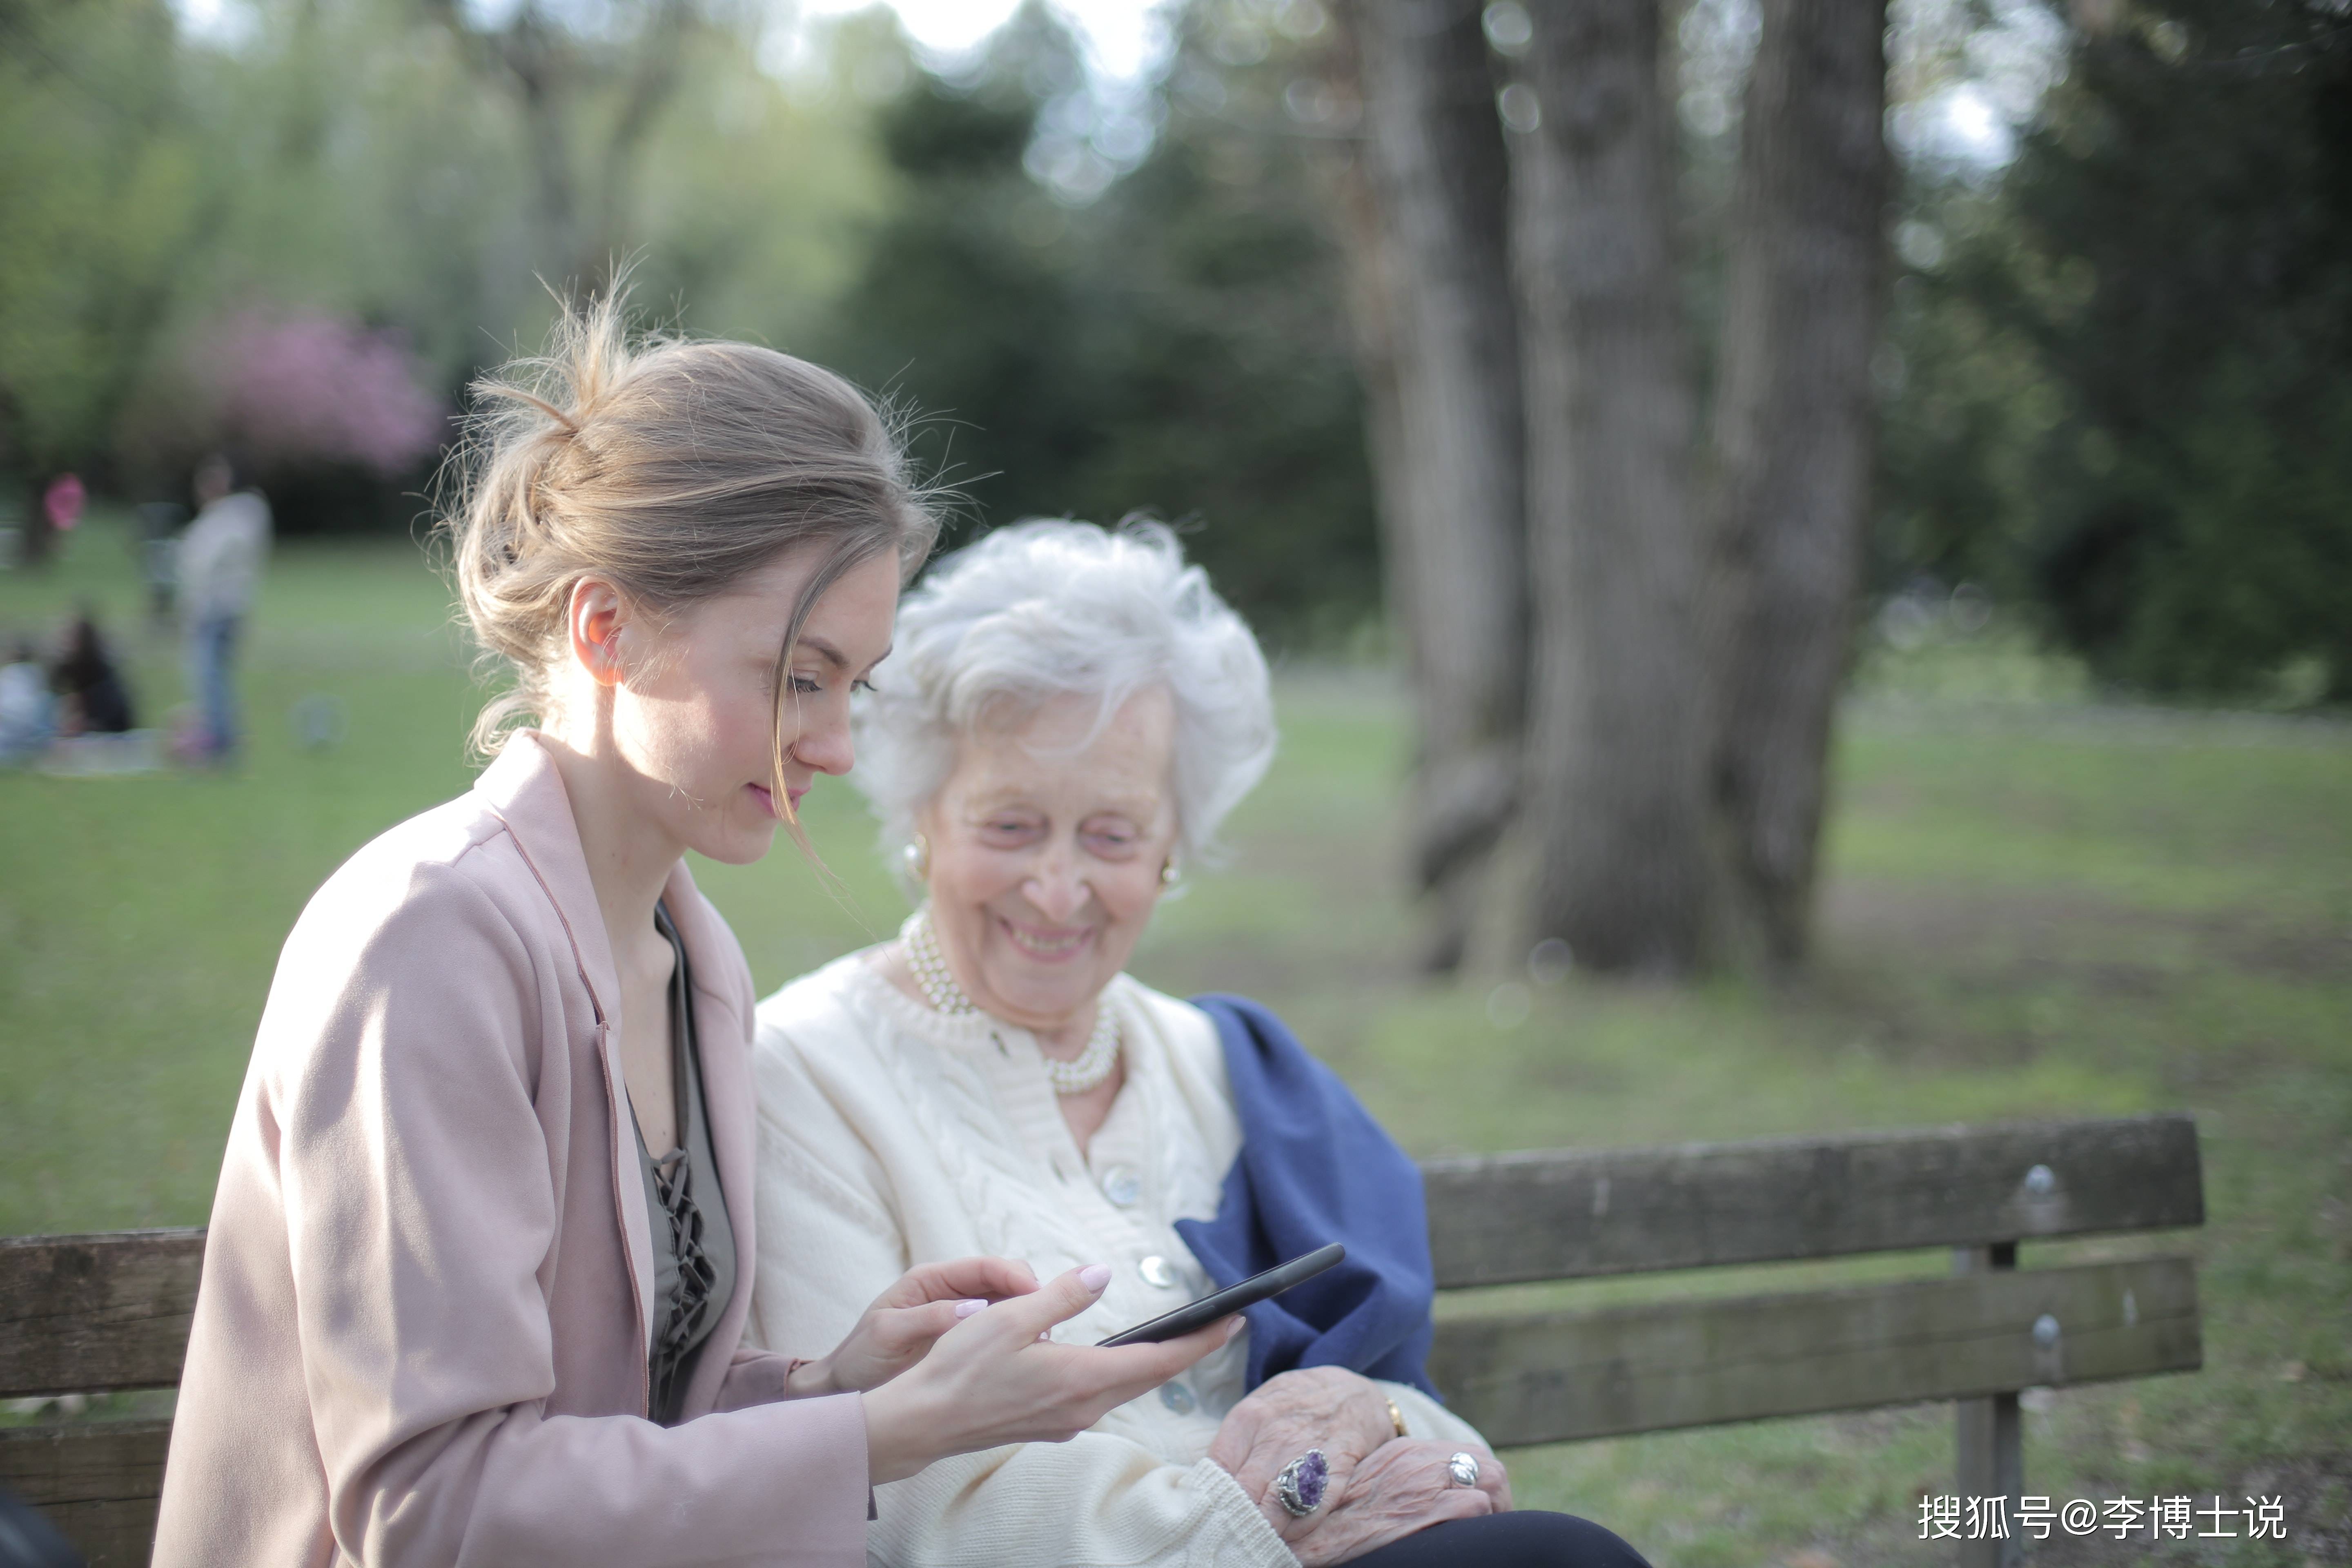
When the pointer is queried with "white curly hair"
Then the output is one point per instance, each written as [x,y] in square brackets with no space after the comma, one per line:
[1042,609]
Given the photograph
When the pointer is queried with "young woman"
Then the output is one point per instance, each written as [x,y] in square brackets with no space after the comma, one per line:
[479,1261]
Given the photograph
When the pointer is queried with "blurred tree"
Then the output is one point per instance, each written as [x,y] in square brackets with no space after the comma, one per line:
[1618,711]
[1239,406]
[2126,388]
[103,191]
[321,412]
[342,161]
[1964,403]
[590,90]
[1686,651]
[1793,434]
[1439,347]
[760,186]
[967,306]
[1101,309]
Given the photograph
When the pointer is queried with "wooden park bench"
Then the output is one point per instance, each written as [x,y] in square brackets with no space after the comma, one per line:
[110,1312]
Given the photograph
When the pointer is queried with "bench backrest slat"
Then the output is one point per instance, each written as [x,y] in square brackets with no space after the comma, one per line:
[1556,1377]
[1570,1214]
[85,1314]
[99,1483]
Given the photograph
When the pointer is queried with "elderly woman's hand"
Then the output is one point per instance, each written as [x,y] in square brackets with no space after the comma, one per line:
[905,1320]
[1342,1413]
[1403,1487]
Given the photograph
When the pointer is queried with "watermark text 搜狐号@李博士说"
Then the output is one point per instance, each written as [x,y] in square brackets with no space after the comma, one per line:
[1954,1517]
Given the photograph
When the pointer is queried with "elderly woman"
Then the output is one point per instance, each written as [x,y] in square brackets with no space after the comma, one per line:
[1070,714]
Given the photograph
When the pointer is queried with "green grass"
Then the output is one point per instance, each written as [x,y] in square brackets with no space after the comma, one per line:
[2032,908]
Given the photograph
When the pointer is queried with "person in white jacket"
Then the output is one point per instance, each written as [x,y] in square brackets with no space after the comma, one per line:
[1070,715]
[218,564]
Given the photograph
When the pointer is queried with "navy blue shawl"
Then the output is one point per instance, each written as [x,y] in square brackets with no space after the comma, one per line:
[1314,1168]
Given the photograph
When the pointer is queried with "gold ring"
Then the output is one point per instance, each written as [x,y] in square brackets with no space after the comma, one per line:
[1396,1419]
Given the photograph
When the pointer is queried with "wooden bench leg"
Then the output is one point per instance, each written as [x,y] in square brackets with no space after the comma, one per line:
[1992,1441]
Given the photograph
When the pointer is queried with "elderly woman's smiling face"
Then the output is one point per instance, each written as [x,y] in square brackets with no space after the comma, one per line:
[1046,852]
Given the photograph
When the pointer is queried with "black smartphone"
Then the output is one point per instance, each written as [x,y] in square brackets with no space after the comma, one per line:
[1200,1314]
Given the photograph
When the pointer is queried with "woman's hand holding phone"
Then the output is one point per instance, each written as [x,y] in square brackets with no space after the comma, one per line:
[994,1378]
[907,1320]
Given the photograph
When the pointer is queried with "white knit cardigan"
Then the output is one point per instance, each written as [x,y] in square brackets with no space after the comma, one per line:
[892,1134]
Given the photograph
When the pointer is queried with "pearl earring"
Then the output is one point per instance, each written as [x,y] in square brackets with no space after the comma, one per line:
[917,857]
[1170,873]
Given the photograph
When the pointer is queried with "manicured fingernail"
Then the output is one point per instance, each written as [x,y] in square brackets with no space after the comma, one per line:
[966,1308]
[1236,1326]
[1095,1275]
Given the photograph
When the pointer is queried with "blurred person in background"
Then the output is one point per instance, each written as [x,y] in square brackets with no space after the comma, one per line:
[63,501]
[94,698]
[29,713]
[219,563]
[1070,714]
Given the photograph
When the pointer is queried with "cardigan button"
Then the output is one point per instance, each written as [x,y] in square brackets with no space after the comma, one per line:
[1177,1397]
[1122,1186]
[1157,1272]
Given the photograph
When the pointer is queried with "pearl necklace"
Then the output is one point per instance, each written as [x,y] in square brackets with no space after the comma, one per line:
[1089,1070]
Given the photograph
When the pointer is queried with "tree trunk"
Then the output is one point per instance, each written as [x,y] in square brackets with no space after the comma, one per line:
[1618,722]
[1451,486]
[1794,433]
[587,223]
[651,79]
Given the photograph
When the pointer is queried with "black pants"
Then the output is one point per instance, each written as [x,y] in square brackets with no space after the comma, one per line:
[1530,1539]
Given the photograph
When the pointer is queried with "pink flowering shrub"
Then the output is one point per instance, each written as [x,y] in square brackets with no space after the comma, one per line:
[297,389]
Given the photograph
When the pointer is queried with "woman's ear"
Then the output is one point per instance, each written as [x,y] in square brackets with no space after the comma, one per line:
[595,619]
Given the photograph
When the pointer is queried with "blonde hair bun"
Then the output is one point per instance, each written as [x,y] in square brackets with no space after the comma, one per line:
[668,468]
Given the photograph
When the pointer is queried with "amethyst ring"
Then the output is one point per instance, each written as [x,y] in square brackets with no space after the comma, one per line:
[1299,1487]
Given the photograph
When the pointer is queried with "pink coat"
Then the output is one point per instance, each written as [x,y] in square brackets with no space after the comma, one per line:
[422,1332]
